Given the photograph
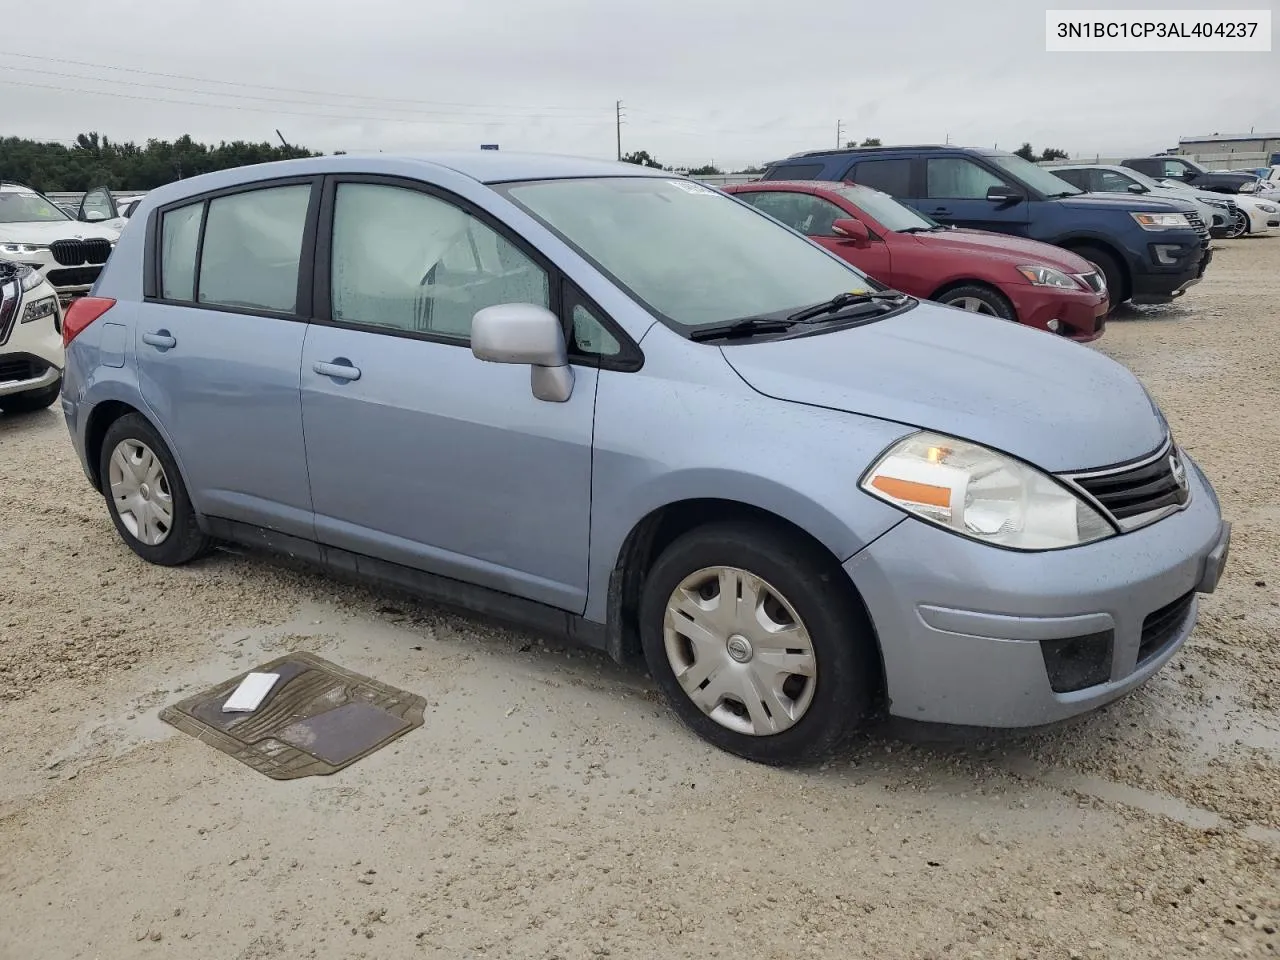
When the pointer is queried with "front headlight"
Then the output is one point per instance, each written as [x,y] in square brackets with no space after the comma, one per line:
[1047,277]
[30,279]
[1267,207]
[22,248]
[982,494]
[1161,221]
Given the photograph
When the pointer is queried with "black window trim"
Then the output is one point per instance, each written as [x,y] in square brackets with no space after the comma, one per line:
[152,281]
[630,359]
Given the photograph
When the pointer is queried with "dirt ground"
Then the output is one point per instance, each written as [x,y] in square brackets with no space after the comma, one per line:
[550,807]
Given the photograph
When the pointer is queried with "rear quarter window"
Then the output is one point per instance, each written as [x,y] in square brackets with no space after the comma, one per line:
[794,171]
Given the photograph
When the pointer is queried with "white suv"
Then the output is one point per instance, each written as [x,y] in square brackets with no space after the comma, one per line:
[30,340]
[67,252]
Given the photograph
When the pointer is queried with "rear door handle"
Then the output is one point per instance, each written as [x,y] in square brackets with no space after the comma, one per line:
[161,338]
[340,369]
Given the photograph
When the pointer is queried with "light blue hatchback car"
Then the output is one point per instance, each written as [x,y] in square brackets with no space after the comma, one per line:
[617,405]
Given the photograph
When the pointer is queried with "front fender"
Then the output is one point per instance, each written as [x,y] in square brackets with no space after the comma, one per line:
[797,462]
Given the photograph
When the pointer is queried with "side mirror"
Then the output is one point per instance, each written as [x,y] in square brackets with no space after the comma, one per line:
[1137,188]
[527,334]
[852,229]
[1003,194]
[94,216]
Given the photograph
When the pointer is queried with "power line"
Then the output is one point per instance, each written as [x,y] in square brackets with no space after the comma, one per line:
[259,86]
[365,118]
[285,100]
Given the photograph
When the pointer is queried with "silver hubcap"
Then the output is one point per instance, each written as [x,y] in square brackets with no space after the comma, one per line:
[1239,226]
[973,305]
[140,490]
[739,651]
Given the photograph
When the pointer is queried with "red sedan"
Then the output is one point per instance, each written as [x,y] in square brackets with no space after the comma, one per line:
[1033,283]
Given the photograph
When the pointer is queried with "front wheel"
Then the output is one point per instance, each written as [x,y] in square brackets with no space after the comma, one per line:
[1239,226]
[978,299]
[756,642]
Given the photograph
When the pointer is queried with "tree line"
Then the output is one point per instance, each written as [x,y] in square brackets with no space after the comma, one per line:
[95,161]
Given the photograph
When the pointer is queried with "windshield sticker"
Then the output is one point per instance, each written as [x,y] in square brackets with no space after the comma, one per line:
[688,186]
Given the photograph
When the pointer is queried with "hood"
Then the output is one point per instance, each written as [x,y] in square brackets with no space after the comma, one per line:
[1015,250]
[46,233]
[1126,201]
[1057,404]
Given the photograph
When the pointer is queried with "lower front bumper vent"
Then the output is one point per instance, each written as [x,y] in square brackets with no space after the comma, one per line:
[1074,663]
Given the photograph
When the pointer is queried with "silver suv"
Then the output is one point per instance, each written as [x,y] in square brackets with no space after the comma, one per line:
[614,404]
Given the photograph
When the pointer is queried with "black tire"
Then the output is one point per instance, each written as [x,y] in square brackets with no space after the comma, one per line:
[1117,280]
[847,673]
[184,541]
[32,400]
[996,302]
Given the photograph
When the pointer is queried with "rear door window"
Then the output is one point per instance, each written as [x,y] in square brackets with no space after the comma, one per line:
[252,248]
[888,176]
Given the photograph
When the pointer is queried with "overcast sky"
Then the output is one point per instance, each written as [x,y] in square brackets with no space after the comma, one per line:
[700,80]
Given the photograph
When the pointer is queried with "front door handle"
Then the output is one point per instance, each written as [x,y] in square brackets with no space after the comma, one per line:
[340,369]
[940,211]
[161,338]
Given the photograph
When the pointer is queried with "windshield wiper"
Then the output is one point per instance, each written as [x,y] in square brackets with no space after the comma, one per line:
[746,327]
[842,300]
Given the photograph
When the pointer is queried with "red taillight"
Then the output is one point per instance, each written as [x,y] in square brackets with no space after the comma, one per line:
[80,314]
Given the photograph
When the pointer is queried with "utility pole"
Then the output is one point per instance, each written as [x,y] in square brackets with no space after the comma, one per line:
[839,134]
[617,110]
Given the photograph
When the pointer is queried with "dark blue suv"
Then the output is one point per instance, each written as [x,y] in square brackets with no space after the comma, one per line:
[1149,250]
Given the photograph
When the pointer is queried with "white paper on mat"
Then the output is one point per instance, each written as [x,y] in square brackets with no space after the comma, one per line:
[253,688]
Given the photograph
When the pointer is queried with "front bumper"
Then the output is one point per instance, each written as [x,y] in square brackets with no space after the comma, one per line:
[968,632]
[1081,316]
[1162,284]
[31,356]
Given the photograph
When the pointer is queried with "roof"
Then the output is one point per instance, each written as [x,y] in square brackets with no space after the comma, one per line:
[1227,137]
[493,166]
[837,151]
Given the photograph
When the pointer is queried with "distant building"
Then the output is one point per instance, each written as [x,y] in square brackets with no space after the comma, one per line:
[1231,143]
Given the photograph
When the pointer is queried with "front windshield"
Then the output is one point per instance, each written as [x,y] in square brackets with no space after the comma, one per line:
[1037,178]
[891,214]
[690,254]
[27,206]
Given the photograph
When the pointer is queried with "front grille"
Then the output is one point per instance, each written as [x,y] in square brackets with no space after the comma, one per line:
[1198,225]
[1139,492]
[21,367]
[73,277]
[73,253]
[1161,627]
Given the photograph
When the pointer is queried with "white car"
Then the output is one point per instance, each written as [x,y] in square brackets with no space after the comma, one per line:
[1259,213]
[1213,208]
[67,252]
[30,340]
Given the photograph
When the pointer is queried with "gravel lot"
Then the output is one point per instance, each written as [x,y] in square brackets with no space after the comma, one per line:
[551,808]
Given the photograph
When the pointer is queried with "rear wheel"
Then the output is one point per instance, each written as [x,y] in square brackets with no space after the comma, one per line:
[32,400]
[753,638]
[979,299]
[145,495]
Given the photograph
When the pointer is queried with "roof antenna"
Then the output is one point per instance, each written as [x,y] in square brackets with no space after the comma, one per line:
[283,140]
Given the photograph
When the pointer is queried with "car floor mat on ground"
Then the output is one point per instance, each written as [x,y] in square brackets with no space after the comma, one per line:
[316,720]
